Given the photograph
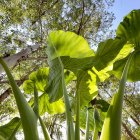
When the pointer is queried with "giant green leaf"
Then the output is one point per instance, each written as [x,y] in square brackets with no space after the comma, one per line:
[56,80]
[74,56]
[86,86]
[67,44]
[58,47]
[76,64]
[107,54]
[60,44]
[63,44]
[129,28]
[52,108]
[7,129]
[107,51]
[134,70]
[105,72]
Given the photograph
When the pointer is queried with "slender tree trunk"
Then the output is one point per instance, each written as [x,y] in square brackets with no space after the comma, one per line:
[23,54]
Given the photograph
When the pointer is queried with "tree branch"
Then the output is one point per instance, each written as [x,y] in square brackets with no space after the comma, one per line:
[81,21]
[135,120]
[44,12]
[7,92]
[128,132]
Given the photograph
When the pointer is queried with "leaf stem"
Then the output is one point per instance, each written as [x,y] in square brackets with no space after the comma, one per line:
[96,124]
[28,117]
[77,124]
[45,131]
[112,125]
[87,125]
[70,128]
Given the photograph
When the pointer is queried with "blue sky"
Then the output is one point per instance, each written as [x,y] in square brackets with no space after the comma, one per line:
[121,8]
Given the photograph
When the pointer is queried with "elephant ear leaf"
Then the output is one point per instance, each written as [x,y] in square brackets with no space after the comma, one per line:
[129,28]
[86,87]
[62,44]
[9,129]
[40,78]
[133,72]
[127,39]
[52,108]
[107,51]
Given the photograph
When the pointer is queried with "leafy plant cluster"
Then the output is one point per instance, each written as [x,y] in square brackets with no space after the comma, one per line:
[70,60]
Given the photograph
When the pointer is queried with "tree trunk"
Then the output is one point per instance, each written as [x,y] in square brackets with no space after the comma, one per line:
[7,92]
[14,59]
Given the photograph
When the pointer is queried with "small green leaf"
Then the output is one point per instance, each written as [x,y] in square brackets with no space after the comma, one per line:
[69,76]
[39,77]
[28,86]
[102,105]
[7,129]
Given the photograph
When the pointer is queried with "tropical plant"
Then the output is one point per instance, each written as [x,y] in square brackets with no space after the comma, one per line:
[72,61]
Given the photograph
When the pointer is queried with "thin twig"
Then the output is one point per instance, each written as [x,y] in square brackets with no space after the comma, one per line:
[44,12]
[81,21]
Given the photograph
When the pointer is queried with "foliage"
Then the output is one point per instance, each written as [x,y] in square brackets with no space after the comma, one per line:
[40,79]
[7,129]
[24,21]
[73,73]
